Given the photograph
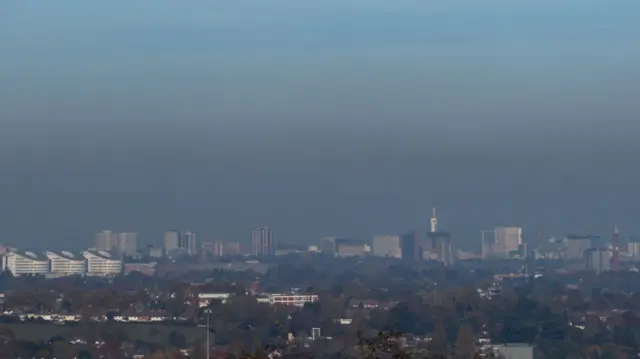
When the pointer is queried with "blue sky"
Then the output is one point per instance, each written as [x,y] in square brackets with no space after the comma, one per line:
[282,94]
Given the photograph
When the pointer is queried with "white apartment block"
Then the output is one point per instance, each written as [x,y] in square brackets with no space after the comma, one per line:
[66,263]
[25,263]
[102,263]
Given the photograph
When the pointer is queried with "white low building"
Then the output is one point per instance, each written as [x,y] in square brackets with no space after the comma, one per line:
[65,263]
[205,299]
[102,263]
[25,263]
[297,300]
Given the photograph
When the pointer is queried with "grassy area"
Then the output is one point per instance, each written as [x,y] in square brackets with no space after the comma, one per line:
[156,333]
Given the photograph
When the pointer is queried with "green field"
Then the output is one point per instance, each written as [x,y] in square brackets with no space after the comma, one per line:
[156,333]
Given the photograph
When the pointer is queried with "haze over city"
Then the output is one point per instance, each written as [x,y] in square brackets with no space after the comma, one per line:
[317,118]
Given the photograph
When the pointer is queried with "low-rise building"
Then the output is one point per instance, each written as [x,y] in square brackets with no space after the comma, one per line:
[297,300]
[25,263]
[102,263]
[148,269]
[350,248]
[204,299]
[66,263]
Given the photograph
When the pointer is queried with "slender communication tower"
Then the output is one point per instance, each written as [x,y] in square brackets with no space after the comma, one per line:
[616,248]
[433,223]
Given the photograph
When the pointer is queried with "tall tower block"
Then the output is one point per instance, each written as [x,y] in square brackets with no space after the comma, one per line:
[616,248]
[433,223]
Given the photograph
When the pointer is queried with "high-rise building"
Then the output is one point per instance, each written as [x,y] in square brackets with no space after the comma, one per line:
[171,241]
[507,240]
[440,246]
[127,243]
[633,247]
[409,246]
[264,244]
[387,246]
[118,242]
[188,243]
[575,246]
[488,244]
[328,246]
[598,260]
[106,240]
[178,242]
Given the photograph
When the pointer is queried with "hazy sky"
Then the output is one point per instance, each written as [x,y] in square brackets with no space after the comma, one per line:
[317,118]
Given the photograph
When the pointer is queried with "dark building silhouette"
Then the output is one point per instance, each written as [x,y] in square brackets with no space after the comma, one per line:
[409,247]
[439,244]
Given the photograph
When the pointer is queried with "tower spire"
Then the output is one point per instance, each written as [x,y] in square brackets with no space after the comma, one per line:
[434,221]
[616,248]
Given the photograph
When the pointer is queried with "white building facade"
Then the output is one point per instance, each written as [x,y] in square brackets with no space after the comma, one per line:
[67,263]
[102,263]
[25,263]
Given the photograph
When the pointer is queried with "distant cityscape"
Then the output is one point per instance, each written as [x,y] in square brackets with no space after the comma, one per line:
[114,253]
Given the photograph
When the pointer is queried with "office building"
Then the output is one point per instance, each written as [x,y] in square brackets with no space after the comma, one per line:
[507,241]
[387,246]
[127,243]
[328,246]
[171,241]
[208,248]
[180,243]
[409,246]
[25,263]
[102,263]
[66,263]
[188,243]
[598,260]
[488,244]
[440,247]
[575,246]
[264,244]
[350,248]
[633,247]
[219,249]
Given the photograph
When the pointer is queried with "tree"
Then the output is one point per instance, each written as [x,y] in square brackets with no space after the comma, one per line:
[177,340]
[439,344]
[199,350]
[84,354]
[465,343]
[6,334]
[62,349]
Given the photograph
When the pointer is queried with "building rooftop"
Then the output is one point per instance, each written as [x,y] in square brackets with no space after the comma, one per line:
[67,255]
[102,254]
[33,255]
[570,237]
